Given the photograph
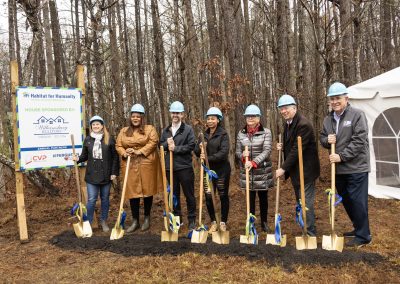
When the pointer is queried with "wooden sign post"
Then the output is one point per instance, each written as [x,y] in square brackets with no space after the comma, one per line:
[19,178]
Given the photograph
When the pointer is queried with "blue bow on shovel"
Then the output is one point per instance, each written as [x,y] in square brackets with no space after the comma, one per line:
[251,227]
[299,214]
[278,234]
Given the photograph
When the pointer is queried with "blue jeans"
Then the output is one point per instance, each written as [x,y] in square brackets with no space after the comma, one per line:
[93,193]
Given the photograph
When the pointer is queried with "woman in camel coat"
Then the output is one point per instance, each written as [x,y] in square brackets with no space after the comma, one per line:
[144,178]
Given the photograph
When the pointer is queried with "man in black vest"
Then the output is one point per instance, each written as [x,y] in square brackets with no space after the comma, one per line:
[297,125]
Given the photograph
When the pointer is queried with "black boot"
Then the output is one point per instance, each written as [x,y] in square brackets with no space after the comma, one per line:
[265,227]
[192,224]
[146,223]
[135,225]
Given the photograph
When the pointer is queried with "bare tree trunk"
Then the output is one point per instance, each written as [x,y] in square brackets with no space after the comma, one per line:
[347,41]
[51,76]
[56,37]
[140,60]
[247,56]
[386,35]
[160,81]
[119,119]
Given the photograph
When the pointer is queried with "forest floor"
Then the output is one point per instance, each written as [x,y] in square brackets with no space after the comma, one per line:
[55,254]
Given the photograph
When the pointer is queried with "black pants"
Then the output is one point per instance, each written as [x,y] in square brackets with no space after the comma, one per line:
[135,205]
[354,190]
[185,179]
[263,200]
[222,185]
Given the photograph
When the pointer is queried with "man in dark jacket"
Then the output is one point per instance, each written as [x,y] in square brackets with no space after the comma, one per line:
[297,125]
[347,128]
[179,138]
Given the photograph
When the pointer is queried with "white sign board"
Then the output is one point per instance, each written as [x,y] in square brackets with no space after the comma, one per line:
[46,117]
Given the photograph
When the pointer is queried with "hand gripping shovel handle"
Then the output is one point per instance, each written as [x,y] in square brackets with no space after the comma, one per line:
[301,170]
[78,183]
[333,187]
[210,183]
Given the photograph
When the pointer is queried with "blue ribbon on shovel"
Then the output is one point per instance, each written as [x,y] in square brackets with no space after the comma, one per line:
[123,218]
[199,229]
[299,215]
[211,174]
[251,227]
[278,233]
[174,199]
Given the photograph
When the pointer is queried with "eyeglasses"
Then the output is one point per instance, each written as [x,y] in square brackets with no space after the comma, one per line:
[251,116]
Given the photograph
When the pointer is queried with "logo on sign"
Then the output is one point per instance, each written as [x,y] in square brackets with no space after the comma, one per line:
[35,158]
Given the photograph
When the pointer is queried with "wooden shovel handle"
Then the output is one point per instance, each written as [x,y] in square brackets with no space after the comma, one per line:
[213,198]
[278,179]
[77,180]
[201,193]
[246,149]
[164,179]
[171,179]
[121,204]
[301,170]
[333,188]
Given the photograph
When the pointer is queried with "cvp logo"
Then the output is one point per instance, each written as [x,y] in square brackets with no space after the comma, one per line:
[39,158]
[36,158]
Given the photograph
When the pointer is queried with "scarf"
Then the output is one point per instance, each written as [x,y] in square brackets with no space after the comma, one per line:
[97,154]
[252,130]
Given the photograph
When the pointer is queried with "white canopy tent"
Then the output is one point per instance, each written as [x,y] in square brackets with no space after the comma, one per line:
[379,98]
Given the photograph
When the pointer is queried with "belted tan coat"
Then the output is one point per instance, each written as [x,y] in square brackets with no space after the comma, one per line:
[144,177]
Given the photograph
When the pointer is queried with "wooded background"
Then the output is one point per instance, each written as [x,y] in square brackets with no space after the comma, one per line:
[225,53]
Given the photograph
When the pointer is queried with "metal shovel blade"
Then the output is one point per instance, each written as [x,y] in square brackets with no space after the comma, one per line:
[250,239]
[167,236]
[221,237]
[271,240]
[86,230]
[117,233]
[306,242]
[199,237]
[332,242]
[78,229]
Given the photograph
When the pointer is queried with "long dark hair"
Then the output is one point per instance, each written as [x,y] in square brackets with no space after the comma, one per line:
[131,128]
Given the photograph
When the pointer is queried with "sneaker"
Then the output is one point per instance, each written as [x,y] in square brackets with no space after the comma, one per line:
[222,226]
[213,227]
[356,243]
[349,234]
[104,226]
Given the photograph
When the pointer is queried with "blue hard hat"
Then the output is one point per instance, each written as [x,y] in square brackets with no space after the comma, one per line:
[138,108]
[337,89]
[96,118]
[176,107]
[215,111]
[252,110]
[286,100]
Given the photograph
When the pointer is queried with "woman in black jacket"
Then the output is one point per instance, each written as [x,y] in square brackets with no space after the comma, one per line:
[102,167]
[217,146]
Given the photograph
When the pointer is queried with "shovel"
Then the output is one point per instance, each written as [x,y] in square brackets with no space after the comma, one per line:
[305,241]
[169,235]
[118,231]
[277,238]
[82,228]
[201,233]
[219,237]
[332,242]
[251,236]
